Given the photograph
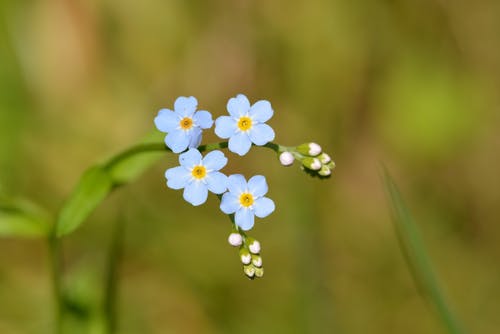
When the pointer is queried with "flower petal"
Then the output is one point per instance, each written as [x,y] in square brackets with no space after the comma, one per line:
[257,185]
[190,158]
[244,218]
[196,193]
[236,184]
[240,143]
[177,177]
[194,137]
[216,182]
[261,111]
[238,106]
[203,119]
[225,126]
[167,120]
[263,207]
[214,160]
[261,134]
[185,106]
[177,140]
[229,203]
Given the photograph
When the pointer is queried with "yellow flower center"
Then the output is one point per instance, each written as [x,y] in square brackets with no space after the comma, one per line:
[246,199]
[245,123]
[199,172]
[186,123]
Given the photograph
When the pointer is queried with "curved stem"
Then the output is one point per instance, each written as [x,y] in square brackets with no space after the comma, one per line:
[155,147]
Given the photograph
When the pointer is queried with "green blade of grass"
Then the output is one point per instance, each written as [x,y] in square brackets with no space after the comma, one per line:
[417,258]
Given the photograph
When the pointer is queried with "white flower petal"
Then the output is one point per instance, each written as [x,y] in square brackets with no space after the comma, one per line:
[240,143]
[196,193]
[203,119]
[261,134]
[264,207]
[214,160]
[261,111]
[238,106]
[244,218]
[257,185]
[236,184]
[225,127]
[190,158]
[216,182]
[185,106]
[229,203]
[177,141]
[177,177]
[167,120]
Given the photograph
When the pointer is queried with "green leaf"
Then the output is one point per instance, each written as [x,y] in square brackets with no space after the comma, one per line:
[92,189]
[98,181]
[417,258]
[20,218]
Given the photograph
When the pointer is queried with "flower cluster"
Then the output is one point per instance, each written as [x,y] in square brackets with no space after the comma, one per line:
[314,161]
[249,254]
[198,175]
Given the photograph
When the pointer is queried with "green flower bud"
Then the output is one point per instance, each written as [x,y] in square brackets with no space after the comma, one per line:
[286,158]
[245,256]
[235,239]
[324,158]
[312,163]
[249,271]
[309,149]
[259,272]
[254,246]
[325,171]
[257,260]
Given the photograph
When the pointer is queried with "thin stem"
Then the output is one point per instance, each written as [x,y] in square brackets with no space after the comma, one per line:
[142,148]
[112,276]
[55,271]
[155,147]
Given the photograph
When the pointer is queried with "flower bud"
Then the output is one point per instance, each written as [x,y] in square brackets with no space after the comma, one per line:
[249,271]
[325,171]
[286,158]
[257,260]
[309,149]
[324,158]
[259,272]
[245,256]
[254,247]
[312,163]
[314,149]
[331,165]
[235,239]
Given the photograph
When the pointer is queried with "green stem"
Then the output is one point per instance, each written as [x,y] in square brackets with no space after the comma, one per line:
[155,147]
[55,271]
[112,276]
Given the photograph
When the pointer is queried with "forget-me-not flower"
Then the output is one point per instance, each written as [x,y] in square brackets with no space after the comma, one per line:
[184,124]
[198,174]
[246,124]
[246,200]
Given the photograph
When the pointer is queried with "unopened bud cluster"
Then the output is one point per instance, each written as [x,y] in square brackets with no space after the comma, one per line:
[314,161]
[249,252]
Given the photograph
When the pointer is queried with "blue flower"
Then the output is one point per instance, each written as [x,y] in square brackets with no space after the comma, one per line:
[198,175]
[246,124]
[183,125]
[246,200]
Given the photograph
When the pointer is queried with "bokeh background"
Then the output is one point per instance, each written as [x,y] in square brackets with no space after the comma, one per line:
[411,84]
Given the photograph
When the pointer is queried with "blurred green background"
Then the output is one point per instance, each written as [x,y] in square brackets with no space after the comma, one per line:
[411,84]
